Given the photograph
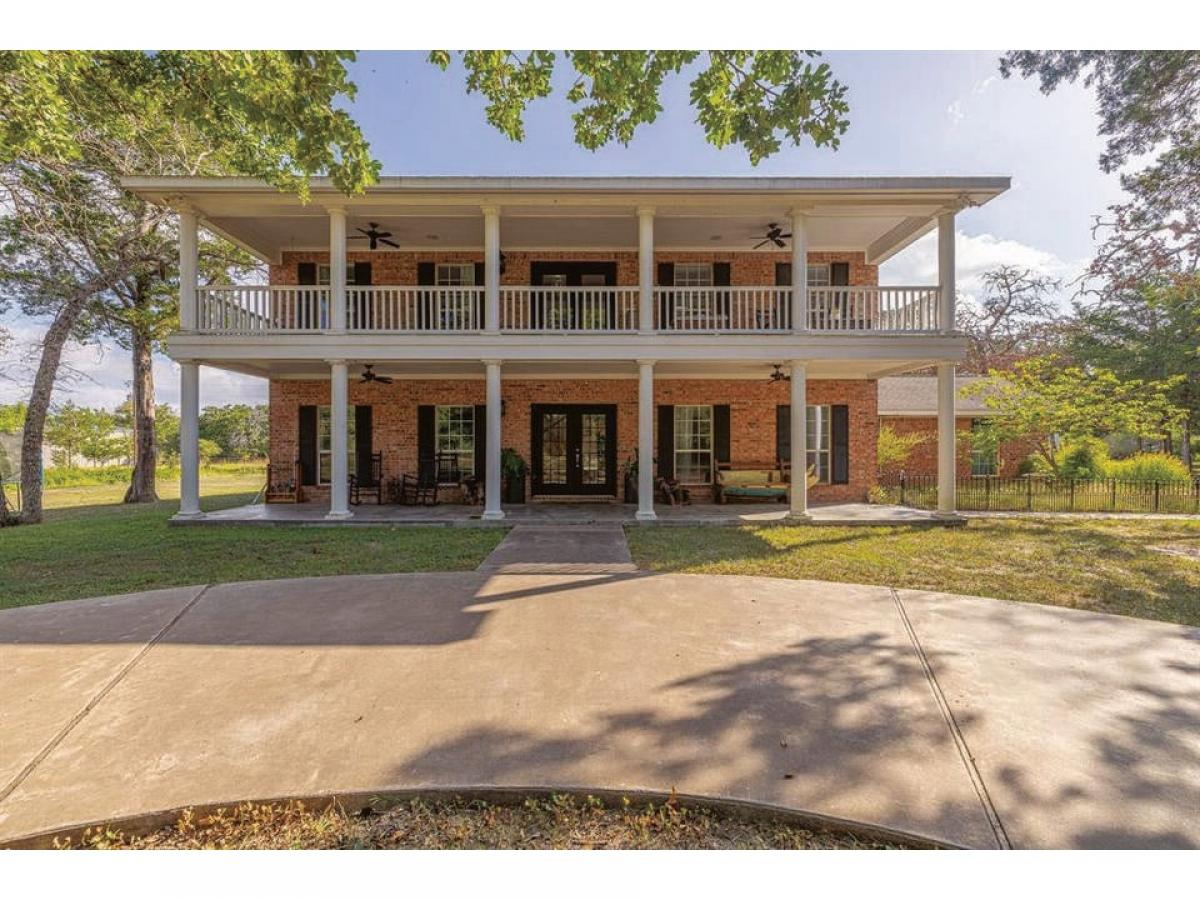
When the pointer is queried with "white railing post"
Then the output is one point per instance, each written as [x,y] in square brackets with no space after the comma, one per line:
[798,495]
[491,479]
[946,280]
[645,510]
[337,268]
[799,272]
[645,216]
[189,243]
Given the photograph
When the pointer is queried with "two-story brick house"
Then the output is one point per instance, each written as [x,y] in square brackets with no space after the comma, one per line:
[579,321]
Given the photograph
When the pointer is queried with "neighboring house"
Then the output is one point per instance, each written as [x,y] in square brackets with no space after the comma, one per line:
[908,404]
[10,454]
[576,320]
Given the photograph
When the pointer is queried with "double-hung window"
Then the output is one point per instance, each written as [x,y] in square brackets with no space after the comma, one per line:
[693,293]
[694,444]
[458,307]
[455,442]
[818,275]
[325,444]
[819,441]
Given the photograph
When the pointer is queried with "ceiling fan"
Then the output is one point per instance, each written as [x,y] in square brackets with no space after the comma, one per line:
[775,234]
[375,236]
[777,374]
[368,375]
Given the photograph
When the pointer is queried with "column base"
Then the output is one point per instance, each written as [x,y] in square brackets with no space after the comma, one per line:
[189,514]
[947,516]
[492,515]
[799,516]
[646,515]
[339,516]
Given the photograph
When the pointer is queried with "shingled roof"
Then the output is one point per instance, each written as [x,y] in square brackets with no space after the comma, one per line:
[916,395]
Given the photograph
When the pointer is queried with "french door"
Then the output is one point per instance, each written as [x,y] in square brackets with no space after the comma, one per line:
[574,449]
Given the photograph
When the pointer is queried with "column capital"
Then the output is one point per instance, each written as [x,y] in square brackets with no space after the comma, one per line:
[798,365]
[645,211]
[799,212]
[335,209]
[182,205]
[647,362]
[337,362]
[490,362]
[490,210]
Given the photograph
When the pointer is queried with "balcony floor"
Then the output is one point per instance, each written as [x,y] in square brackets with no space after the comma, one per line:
[452,514]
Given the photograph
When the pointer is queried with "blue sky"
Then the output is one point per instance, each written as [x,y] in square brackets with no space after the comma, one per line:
[911,113]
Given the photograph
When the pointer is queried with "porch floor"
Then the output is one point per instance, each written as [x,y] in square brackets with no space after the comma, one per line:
[313,513]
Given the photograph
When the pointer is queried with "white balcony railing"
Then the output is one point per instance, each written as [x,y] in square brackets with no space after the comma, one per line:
[282,309]
[907,310]
[568,309]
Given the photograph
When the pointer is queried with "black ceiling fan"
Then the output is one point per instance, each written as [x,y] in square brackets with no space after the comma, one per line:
[774,234]
[368,375]
[777,374]
[375,236]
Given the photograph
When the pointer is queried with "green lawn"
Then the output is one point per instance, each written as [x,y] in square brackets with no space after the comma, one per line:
[91,545]
[1100,565]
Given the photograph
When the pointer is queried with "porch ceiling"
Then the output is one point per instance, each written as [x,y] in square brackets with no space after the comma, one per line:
[879,216]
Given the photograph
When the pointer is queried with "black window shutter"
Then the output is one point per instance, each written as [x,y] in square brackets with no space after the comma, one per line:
[721,433]
[426,442]
[362,443]
[666,442]
[362,274]
[839,434]
[480,281]
[783,434]
[306,273]
[480,441]
[839,273]
[783,274]
[426,273]
[308,445]
[721,274]
[480,274]
[666,309]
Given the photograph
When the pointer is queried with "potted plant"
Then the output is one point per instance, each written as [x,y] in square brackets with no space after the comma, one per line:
[629,471]
[512,471]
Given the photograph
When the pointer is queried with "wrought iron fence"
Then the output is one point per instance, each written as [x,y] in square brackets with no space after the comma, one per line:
[1045,493]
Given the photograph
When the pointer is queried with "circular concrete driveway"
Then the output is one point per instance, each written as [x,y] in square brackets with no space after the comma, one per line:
[856,702]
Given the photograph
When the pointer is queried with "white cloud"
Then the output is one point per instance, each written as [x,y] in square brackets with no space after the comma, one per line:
[975,255]
[980,86]
[955,112]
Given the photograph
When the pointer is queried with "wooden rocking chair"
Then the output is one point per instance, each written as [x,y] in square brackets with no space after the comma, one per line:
[369,483]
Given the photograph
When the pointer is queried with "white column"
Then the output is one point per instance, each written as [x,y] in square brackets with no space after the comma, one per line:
[337,268]
[339,486]
[645,510]
[491,269]
[799,271]
[188,253]
[798,496]
[491,485]
[946,272]
[645,216]
[946,450]
[189,439]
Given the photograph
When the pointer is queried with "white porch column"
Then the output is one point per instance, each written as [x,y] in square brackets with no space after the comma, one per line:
[491,484]
[645,216]
[645,510]
[946,272]
[798,495]
[188,253]
[337,268]
[491,270]
[189,439]
[799,271]
[339,486]
[946,450]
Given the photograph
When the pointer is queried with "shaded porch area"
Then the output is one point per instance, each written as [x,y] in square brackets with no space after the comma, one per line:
[452,514]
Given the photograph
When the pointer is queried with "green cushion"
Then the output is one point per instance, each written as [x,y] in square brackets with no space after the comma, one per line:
[746,491]
[743,477]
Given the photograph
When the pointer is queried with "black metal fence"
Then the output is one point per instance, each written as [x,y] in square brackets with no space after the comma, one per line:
[1045,493]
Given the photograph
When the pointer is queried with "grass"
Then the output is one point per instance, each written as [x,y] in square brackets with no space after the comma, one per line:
[1100,565]
[91,545]
[558,822]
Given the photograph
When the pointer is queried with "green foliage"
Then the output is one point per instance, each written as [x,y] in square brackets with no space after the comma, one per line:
[270,114]
[208,450]
[166,431]
[755,98]
[12,418]
[63,477]
[1148,467]
[893,450]
[1084,458]
[1041,397]
[512,465]
[240,431]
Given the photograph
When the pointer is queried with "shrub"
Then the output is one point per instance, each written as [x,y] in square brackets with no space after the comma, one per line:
[1084,458]
[1148,467]
[893,450]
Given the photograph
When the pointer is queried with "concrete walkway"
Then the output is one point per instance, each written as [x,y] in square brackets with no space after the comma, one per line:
[976,722]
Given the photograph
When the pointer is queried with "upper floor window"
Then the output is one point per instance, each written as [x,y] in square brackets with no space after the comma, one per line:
[693,275]
[455,274]
[818,275]
[324,278]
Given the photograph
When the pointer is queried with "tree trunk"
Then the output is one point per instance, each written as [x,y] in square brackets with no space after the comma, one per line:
[145,450]
[1185,442]
[39,405]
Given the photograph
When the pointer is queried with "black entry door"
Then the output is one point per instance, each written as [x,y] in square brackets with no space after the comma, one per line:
[574,449]
[575,310]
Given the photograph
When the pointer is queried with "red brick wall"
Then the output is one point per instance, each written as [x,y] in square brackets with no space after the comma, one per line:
[923,460]
[752,415]
[401,267]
